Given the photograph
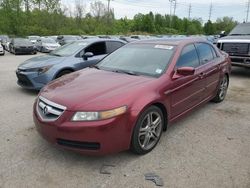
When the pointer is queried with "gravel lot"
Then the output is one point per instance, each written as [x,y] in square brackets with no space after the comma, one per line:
[209,148]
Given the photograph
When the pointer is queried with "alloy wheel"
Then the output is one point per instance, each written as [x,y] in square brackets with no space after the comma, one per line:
[223,88]
[150,130]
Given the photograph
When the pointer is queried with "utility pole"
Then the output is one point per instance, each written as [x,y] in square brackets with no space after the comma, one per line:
[189,11]
[108,9]
[171,5]
[175,4]
[248,6]
[210,11]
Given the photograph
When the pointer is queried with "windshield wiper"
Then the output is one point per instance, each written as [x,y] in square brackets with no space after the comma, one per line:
[239,34]
[55,54]
[95,67]
[126,72]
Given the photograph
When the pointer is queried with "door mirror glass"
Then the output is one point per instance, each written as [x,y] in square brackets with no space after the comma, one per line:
[87,55]
[185,71]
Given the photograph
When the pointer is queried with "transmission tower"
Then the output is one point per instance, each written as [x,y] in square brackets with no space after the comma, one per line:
[189,11]
[248,6]
[210,11]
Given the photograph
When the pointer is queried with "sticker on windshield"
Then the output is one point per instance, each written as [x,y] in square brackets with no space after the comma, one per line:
[158,71]
[165,47]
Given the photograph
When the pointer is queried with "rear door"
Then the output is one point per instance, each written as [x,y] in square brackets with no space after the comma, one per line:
[210,63]
[187,90]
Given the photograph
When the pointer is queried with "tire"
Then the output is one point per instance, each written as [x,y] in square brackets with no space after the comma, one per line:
[62,73]
[147,131]
[222,91]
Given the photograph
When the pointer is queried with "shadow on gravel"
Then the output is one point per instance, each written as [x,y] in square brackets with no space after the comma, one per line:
[241,72]
[28,92]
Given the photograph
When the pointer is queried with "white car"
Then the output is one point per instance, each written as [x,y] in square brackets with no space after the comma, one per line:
[46,44]
[2,52]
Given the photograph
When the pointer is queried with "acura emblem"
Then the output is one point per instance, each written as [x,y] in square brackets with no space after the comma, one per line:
[45,110]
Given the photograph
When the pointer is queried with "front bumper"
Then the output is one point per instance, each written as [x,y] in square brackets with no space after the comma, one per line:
[25,50]
[32,80]
[242,61]
[92,138]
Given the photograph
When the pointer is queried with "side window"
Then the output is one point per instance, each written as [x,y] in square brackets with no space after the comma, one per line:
[188,57]
[113,45]
[213,52]
[205,52]
[98,48]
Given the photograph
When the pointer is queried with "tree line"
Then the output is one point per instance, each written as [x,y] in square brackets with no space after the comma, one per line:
[50,17]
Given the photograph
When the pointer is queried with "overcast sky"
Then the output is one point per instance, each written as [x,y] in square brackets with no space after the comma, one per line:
[199,8]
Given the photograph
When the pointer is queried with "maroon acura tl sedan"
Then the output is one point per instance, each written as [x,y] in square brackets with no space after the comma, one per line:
[131,96]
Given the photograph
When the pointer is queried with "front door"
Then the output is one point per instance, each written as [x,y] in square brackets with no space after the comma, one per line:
[187,90]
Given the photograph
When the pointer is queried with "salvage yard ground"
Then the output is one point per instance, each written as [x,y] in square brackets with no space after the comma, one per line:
[209,148]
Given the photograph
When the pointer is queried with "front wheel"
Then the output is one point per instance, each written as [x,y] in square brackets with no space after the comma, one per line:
[62,73]
[147,131]
[222,91]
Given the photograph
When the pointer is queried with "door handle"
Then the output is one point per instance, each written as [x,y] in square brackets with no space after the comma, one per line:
[201,75]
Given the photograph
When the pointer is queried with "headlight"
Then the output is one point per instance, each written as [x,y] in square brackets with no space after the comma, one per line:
[93,116]
[40,70]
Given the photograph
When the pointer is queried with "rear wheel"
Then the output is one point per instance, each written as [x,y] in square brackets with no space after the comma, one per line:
[64,72]
[222,91]
[147,131]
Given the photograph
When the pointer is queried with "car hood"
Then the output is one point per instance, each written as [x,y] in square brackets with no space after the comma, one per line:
[41,61]
[236,38]
[92,89]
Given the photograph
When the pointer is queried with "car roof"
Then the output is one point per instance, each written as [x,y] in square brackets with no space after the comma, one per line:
[90,40]
[172,41]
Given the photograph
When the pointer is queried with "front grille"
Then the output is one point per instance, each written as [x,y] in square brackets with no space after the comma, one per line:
[79,145]
[23,80]
[48,110]
[236,48]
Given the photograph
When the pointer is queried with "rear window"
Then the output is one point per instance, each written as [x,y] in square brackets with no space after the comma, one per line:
[205,52]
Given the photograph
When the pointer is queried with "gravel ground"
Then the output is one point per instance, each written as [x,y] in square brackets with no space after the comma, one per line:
[209,148]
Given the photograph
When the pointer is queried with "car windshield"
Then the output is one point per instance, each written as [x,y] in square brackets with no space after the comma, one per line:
[69,49]
[139,59]
[22,42]
[48,40]
[33,38]
[241,29]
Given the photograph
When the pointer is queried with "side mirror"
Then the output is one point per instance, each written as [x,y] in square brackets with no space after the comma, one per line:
[87,55]
[183,71]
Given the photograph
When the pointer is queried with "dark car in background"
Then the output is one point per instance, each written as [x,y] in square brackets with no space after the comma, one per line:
[130,97]
[237,45]
[65,39]
[21,46]
[38,71]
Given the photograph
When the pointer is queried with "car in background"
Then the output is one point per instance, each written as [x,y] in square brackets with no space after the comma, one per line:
[2,52]
[237,45]
[128,39]
[36,72]
[21,46]
[131,96]
[5,41]
[65,39]
[33,39]
[46,44]
[140,37]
